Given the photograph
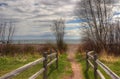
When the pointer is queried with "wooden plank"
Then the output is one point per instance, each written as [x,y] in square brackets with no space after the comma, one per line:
[37,74]
[17,71]
[52,62]
[100,74]
[107,70]
[51,55]
[90,52]
[103,66]
[90,63]
[90,56]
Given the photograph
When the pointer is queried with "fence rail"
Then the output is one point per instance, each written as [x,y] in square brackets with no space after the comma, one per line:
[93,61]
[43,70]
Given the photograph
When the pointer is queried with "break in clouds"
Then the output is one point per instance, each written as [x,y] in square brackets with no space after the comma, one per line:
[34,17]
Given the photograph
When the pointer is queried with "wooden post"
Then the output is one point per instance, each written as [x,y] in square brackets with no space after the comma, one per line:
[95,66]
[57,60]
[87,64]
[45,65]
[50,53]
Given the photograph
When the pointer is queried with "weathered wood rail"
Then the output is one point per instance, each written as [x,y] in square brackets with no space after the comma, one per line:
[43,70]
[93,61]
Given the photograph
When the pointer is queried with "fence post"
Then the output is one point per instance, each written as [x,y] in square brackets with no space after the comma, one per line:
[45,65]
[57,60]
[50,53]
[87,64]
[95,66]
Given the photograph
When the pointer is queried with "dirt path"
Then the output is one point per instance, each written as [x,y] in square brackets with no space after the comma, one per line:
[76,68]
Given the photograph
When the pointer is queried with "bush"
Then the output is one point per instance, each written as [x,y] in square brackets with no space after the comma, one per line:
[9,49]
[29,49]
[13,50]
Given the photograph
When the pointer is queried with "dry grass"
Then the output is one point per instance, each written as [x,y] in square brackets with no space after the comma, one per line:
[104,56]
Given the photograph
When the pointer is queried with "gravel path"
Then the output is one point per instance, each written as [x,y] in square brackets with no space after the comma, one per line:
[76,68]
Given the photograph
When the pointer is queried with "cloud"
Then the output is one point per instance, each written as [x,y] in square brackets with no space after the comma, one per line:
[34,17]
[3,4]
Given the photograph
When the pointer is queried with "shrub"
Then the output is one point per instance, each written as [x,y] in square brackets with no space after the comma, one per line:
[29,49]
[9,49]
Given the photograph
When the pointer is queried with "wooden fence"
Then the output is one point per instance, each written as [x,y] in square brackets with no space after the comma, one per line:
[43,70]
[93,61]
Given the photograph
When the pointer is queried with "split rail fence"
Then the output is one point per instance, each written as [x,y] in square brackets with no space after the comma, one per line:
[93,61]
[44,60]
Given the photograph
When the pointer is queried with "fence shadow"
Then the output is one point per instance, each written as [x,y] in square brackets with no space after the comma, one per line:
[86,75]
[51,70]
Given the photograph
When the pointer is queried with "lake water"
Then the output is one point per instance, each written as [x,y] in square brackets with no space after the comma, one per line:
[72,41]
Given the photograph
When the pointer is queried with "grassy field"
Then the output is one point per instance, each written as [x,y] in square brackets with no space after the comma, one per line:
[112,62]
[8,64]
[115,66]
[63,70]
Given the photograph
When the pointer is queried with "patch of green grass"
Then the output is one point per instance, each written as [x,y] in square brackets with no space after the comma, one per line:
[29,72]
[114,66]
[81,59]
[63,70]
[90,74]
[8,64]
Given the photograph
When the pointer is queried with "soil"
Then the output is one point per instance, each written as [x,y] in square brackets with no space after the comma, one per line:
[76,67]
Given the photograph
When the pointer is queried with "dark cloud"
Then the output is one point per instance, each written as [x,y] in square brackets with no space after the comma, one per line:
[3,4]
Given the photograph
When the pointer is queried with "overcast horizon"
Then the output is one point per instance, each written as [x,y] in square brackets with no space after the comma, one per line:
[32,18]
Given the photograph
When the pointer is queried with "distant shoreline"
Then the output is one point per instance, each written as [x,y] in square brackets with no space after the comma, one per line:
[43,41]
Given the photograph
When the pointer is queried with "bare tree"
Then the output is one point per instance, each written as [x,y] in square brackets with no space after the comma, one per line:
[6,32]
[97,14]
[11,30]
[58,29]
[113,38]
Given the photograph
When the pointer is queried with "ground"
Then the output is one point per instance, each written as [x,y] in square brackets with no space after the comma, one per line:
[76,67]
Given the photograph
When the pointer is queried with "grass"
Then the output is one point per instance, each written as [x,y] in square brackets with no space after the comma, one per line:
[81,59]
[112,62]
[115,66]
[8,64]
[63,70]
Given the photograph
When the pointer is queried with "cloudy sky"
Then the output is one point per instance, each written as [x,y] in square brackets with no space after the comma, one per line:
[33,18]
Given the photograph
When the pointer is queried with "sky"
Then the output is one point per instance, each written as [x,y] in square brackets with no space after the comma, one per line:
[33,18]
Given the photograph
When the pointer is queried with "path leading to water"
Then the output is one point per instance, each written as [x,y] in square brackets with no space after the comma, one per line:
[76,68]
